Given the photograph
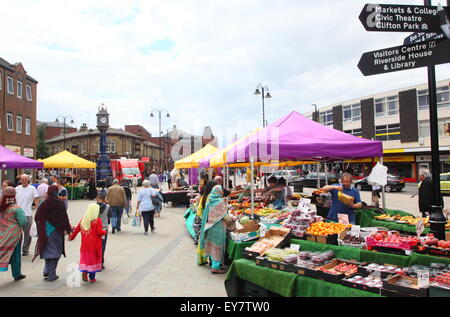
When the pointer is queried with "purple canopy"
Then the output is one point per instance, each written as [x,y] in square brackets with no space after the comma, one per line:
[12,160]
[295,138]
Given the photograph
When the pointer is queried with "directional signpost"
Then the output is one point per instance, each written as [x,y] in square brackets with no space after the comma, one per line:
[428,46]
[400,18]
[405,57]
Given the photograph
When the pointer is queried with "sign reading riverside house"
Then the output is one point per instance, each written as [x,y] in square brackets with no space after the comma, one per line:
[405,57]
[401,18]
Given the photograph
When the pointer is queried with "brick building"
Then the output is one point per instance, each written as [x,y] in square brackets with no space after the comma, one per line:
[18,112]
[53,129]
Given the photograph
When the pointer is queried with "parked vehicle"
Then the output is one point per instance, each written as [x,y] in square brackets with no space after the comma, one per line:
[394,183]
[310,180]
[445,183]
[126,169]
[289,175]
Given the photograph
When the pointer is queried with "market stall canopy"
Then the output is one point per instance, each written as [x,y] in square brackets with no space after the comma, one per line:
[193,160]
[12,160]
[219,158]
[65,159]
[295,137]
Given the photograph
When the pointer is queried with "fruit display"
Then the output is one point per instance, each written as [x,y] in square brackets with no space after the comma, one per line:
[392,240]
[278,255]
[434,270]
[370,281]
[314,259]
[351,240]
[276,217]
[431,241]
[262,212]
[262,246]
[442,280]
[344,268]
[300,220]
[390,269]
[326,228]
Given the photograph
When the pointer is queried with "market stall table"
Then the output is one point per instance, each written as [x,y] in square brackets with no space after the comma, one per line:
[264,281]
[177,198]
[76,192]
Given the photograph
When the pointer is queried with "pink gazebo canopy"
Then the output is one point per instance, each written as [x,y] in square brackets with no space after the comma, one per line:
[12,160]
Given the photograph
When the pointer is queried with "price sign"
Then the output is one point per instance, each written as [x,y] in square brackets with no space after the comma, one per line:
[419,227]
[295,247]
[343,218]
[355,231]
[423,278]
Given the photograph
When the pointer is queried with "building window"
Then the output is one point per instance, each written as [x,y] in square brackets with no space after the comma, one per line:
[27,126]
[387,106]
[442,98]
[0,81]
[355,132]
[19,89]
[110,146]
[326,117]
[424,127]
[9,122]
[10,85]
[28,92]
[389,132]
[351,112]
[19,124]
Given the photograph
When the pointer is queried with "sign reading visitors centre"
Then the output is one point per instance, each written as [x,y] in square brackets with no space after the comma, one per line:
[405,57]
[401,18]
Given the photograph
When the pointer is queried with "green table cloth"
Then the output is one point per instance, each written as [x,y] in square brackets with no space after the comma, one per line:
[76,192]
[234,249]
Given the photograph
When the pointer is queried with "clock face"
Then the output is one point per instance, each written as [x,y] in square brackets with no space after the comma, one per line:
[103,120]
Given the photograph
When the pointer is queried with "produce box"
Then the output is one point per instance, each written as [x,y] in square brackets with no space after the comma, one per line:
[359,246]
[391,283]
[439,291]
[381,270]
[402,245]
[434,251]
[249,232]
[329,273]
[282,266]
[274,237]
[389,293]
[349,283]
[261,261]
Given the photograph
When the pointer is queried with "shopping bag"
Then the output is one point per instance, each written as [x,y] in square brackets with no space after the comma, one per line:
[33,230]
[378,176]
[125,219]
[136,222]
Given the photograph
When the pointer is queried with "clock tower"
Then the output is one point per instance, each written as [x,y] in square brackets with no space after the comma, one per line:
[103,162]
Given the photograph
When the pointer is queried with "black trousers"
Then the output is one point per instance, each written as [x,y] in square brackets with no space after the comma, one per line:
[148,218]
[50,268]
[104,247]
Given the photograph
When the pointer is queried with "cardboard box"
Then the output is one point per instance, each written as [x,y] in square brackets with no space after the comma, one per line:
[389,293]
[261,261]
[437,291]
[276,234]
[334,278]
[447,236]
[390,283]
[363,271]
[360,286]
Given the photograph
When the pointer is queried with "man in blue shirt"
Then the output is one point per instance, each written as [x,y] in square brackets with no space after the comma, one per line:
[338,207]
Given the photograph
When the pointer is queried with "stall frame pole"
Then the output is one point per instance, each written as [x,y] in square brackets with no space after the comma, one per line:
[318,175]
[252,183]
[326,174]
[383,196]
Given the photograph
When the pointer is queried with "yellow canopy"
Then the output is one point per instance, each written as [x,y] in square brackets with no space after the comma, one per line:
[193,160]
[65,159]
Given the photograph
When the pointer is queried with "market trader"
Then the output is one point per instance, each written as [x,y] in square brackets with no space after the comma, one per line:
[338,207]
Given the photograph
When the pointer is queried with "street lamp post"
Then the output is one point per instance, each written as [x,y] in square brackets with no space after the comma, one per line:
[315,116]
[263,96]
[160,132]
[64,125]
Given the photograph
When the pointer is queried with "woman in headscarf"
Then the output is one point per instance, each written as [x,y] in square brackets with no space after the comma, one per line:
[213,236]
[12,219]
[91,242]
[52,223]
[92,191]
[204,192]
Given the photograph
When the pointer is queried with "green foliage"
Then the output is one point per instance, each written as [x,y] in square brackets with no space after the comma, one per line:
[41,146]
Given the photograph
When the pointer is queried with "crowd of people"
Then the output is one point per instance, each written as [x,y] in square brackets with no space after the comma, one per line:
[51,222]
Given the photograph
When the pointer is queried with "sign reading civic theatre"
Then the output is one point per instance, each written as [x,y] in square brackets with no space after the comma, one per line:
[404,18]
[400,18]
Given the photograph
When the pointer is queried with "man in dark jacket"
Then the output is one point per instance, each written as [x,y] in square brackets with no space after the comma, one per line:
[128,194]
[426,192]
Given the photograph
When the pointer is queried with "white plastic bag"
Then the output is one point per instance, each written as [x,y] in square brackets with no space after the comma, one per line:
[125,219]
[378,176]
[33,230]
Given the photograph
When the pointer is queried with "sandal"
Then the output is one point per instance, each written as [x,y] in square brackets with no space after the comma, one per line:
[84,276]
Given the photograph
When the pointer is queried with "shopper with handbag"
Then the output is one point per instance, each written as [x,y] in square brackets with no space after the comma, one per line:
[146,207]
[105,215]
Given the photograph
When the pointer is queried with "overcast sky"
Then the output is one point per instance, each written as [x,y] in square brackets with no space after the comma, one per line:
[199,59]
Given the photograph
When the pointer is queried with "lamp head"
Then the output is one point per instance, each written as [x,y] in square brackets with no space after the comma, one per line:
[168,115]
[257,92]
[268,95]
[151,115]
[57,121]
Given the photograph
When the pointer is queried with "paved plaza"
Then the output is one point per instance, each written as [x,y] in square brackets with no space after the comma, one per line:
[160,264]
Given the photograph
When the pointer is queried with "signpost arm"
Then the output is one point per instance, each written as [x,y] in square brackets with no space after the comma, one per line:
[437,219]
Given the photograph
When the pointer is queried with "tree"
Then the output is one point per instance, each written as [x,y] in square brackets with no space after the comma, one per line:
[41,147]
